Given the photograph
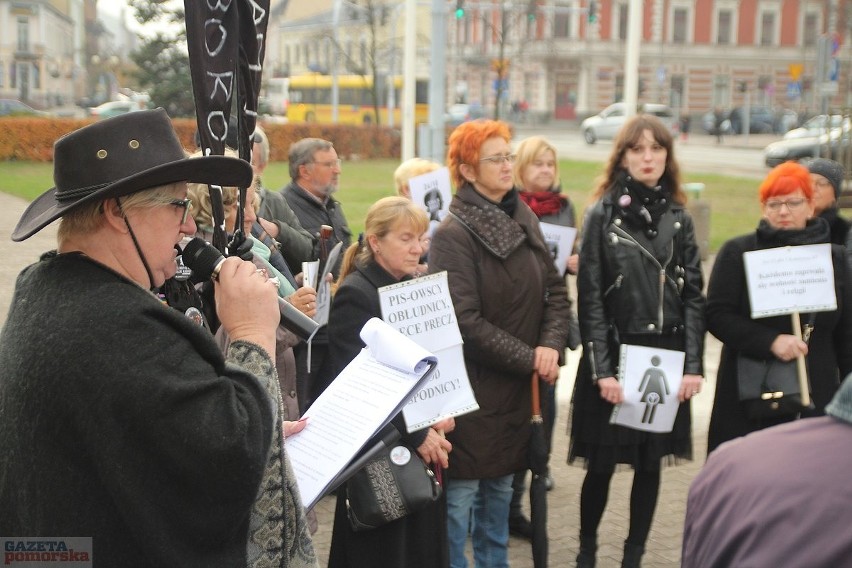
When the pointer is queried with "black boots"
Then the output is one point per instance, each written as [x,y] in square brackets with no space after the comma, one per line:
[632,555]
[588,548]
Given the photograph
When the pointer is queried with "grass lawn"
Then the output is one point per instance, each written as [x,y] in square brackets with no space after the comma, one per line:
[733,201]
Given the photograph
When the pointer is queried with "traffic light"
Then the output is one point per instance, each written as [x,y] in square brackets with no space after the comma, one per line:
[593,12]
[459,9]
[532,8]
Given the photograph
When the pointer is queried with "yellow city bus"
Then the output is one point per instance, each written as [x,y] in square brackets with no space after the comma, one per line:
[310,100]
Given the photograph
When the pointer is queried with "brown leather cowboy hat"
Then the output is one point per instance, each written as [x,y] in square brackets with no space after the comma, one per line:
[119,156]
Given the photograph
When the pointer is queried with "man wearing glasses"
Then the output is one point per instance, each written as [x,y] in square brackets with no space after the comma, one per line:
[315,174]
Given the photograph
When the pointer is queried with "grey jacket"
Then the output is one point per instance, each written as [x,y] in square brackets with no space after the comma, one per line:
[297,245]
[312,214]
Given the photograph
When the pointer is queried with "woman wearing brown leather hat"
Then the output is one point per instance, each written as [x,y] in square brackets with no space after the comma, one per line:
[121,420]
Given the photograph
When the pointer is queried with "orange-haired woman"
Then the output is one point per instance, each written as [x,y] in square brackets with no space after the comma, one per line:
[786,197]
[512,310]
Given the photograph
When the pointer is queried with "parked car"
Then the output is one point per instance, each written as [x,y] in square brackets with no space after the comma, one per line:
[462,112]
[708,122]
[12,107]
[815,126]
[761,120]
[114,108]
[606,124]
[831,145]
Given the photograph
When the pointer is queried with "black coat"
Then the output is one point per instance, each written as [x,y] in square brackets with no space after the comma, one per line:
[621,300]
[619,290]
[728,318]
[420,539]
[312,215]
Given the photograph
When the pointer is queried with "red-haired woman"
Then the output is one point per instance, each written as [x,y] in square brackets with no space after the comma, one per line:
[512,310]
[786,197]
[639,283]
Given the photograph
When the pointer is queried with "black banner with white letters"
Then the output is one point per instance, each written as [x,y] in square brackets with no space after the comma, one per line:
[226,41]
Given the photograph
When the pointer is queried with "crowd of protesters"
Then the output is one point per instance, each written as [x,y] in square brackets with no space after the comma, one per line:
[149,411]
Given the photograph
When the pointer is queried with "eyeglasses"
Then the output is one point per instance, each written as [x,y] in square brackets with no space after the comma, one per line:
[330,163]
[500,159]
[186,204]
[792,204]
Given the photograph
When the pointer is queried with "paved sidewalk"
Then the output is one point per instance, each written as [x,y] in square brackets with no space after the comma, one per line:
[663,550]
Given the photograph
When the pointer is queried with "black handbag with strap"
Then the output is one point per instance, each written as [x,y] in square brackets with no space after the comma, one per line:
[394,484]
[768,388]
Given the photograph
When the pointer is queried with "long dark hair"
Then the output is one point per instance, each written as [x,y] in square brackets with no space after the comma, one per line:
[628,136]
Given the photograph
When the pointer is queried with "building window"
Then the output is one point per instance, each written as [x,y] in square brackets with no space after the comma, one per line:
[23,34]
[725,26]
[680,25]
[676,95]
[767,29]
[810,29]
[721,91]
[619,88]
[622,21]
[562,25]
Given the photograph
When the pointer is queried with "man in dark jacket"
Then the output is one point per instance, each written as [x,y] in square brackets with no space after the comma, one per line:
[276,217]
[770,498]
[315,173]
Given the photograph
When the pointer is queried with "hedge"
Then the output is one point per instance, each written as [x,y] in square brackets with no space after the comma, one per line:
[31,139]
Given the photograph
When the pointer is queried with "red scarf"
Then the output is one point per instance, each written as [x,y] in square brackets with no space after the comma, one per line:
[543,202]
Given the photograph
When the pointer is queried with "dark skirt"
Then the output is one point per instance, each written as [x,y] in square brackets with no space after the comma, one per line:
[601,446]
[418,540]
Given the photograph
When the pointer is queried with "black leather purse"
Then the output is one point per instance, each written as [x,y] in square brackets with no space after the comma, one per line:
[389,487]
[768,388]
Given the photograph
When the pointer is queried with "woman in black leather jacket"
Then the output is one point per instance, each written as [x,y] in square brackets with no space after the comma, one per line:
[639,283]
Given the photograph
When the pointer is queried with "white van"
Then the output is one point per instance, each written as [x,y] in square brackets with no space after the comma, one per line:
[276,97]
[605,126]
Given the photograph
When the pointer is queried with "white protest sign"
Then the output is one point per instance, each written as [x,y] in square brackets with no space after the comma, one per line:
[324,288]
[422,310]
[446,394]
[787,280]
[560,243]
[651,379]
[433,192]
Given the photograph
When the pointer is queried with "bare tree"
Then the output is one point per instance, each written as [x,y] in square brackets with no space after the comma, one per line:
[510,21]
[372,16]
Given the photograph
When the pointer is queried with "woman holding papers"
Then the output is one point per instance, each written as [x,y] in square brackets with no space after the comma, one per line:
[786,198]
[639,283]
[512,311]
[387,253]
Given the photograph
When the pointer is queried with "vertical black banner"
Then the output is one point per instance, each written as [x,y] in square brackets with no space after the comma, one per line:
[226,41]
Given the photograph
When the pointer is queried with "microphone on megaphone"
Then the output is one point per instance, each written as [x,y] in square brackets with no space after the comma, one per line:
[205,261]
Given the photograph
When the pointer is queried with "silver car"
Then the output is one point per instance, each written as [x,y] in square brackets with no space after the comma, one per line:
[605,126]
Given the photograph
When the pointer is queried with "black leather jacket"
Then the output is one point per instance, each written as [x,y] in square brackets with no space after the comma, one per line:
[630,284]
